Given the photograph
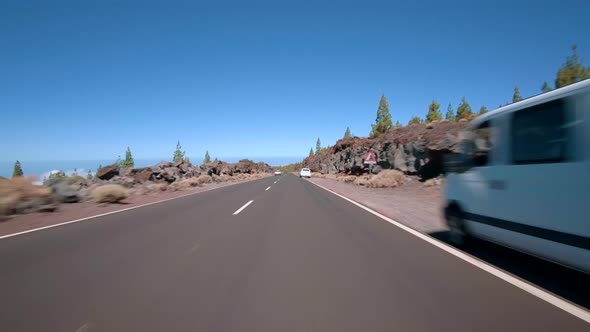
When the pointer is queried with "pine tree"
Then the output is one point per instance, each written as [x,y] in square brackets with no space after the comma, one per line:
[310,152]
[450,113]
[516,97]
[99,167]
[545,87]
[18,170]
[464,110]
[187,160]
[383,120]
[207,158]
[415,120]
[318,146]
[89,176]
[434,113]
[178,153]
[572,70]
[128,162]
[347,133]
[483,110]
[397,124]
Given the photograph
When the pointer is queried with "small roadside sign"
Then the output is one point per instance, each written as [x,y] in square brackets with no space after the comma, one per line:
[370,158]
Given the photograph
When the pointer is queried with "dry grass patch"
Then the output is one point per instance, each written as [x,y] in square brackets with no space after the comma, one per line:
[16,190]
[203,179]
[388,178]
[184,184]
[22,188]
[346,178]
[110,193]
[362,180]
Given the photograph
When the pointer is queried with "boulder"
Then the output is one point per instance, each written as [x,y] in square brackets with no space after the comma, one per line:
[108,172]
[376,169]
[183,168]
[172,171]
[125,181]
[143,176]
[125,171]
[163,164]
[64,193]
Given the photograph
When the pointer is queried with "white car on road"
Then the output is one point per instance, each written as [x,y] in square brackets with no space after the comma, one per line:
[277,172]
[305,173]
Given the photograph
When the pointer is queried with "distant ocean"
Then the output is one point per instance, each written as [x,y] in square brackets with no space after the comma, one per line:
[42,169]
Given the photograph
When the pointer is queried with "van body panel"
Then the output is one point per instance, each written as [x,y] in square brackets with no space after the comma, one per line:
[538,206]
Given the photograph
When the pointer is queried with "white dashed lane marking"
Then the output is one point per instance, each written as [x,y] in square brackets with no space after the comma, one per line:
[242,208]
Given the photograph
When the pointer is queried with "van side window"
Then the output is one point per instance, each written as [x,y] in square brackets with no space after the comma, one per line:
[539,135]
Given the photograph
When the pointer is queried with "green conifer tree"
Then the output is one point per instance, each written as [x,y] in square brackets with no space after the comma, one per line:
[18,170]
[207,158]
[464,110]
[516,97]
[178,153]
[383,119]
[572,70]
[434,113]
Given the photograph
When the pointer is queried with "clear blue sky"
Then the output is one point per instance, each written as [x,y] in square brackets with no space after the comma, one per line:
[86,79]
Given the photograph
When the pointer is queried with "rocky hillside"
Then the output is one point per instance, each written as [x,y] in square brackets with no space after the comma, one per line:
[414,149]
[170,172]
[20,195]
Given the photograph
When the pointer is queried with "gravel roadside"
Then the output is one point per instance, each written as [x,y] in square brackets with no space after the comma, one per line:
[411,204]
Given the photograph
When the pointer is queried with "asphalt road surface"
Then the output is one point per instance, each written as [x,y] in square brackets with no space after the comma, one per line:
[297,258]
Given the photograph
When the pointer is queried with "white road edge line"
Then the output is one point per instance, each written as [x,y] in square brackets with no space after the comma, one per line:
[242,208]
[267,188]
[527,287]
[113,212]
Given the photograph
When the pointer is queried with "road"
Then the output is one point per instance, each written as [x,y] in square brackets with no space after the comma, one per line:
[297,258]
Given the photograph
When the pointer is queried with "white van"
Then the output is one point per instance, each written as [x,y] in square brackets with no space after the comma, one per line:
[523,180]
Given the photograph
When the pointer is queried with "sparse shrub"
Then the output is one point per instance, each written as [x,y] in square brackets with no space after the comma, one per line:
[429,183]
[54,178]
[203,179]
[346,178]
[6,205]
[362,180]
[388,178]
[75,180]
[19,189]
[156,187]
[330,176]
[184,184]
[110,193]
